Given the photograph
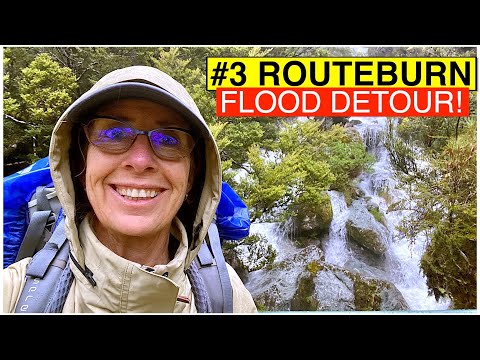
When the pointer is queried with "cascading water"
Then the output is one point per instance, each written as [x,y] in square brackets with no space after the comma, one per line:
[403,257]
[336,251]
[278,236]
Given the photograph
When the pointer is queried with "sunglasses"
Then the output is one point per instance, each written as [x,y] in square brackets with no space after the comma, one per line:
[115,137]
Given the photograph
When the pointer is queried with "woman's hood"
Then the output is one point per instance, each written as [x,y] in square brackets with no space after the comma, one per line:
[146,83]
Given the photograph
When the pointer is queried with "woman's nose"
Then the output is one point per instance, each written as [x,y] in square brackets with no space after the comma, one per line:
[141,155]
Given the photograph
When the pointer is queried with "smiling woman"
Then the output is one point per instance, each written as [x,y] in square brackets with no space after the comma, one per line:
[119,160]
[138,174]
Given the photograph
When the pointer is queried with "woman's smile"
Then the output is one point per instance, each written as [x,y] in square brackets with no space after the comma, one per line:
[137,193]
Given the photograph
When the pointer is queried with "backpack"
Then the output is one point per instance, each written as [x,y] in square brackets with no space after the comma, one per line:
[33,226]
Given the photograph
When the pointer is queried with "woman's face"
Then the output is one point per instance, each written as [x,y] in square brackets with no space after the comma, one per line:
[137,172]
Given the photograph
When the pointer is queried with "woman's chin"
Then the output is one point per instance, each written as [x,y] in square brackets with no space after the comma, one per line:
[136,226]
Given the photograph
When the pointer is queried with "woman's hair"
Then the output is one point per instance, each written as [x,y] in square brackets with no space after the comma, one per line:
[78,163]
[189,208]
[186,213]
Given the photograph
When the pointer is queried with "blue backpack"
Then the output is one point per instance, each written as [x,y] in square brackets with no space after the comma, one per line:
[33,226]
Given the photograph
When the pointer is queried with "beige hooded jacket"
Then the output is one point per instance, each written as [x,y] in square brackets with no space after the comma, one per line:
[123,286]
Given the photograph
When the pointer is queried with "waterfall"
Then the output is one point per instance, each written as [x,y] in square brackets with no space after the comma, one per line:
[336,251]
[403,258]
[279,235]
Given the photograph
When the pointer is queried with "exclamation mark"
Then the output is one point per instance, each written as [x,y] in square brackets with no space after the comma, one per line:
[459,101]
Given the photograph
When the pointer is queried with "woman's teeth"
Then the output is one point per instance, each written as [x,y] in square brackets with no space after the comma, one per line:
[137,193]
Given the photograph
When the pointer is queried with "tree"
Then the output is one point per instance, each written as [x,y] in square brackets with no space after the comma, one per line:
[441,185]
[306,160]
[46,89]
[450,260]
[13,129]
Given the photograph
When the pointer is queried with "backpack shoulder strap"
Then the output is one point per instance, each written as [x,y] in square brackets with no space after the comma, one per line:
[42,218]
[43,273]
[213,269]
